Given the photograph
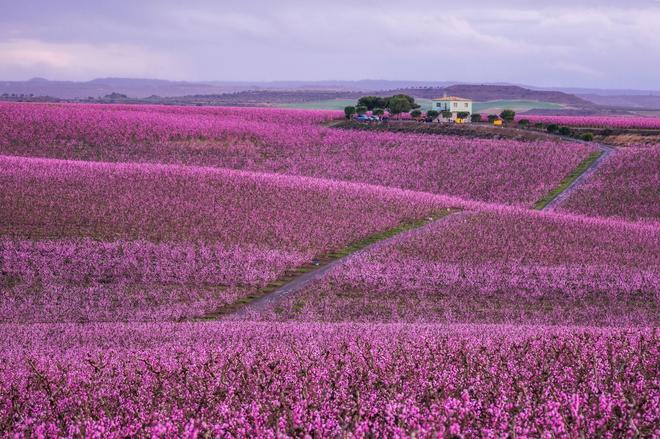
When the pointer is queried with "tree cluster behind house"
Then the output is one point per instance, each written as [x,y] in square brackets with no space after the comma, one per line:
[395,104]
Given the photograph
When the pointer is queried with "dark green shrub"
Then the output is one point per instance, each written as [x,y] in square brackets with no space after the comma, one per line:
[564,131]
[508,115]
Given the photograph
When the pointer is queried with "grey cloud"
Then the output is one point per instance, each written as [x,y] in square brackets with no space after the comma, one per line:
[569,43]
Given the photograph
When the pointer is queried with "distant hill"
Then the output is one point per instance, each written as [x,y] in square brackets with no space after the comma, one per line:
[628,101]
[497,92]
[276,92]
[142,88]
[135,88]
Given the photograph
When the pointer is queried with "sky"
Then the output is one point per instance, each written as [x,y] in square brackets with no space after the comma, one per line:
[577,43]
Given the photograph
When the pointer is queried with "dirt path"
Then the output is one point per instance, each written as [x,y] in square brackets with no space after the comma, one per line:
[583,177]
[266,302]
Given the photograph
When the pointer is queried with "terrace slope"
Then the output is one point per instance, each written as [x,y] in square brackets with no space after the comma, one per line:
[103,241]
[496,266]
[626,186]
[291,142]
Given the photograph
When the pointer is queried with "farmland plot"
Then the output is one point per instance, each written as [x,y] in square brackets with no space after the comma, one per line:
[291,142]
[96,241]
[627,186]
[500,266]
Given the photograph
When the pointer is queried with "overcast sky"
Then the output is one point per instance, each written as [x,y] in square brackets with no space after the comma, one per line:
[589,43]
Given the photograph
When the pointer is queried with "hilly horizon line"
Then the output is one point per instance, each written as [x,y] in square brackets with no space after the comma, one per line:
[298,83]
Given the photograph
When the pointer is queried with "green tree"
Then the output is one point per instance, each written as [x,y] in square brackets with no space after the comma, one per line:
[462,114]
[371,102]
[508,115]
[476,117]
[432,114]
[415,113]
[552,128]
[378,112]
[523,122]
[398,104]
[446,114]
[349,111]
[360,109]
[564,131]
[398,101]
[588,137]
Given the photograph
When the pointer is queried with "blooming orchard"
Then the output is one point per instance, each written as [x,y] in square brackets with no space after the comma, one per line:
[497,266]
[291,142]
[251,380]
[119,224]
[596,121]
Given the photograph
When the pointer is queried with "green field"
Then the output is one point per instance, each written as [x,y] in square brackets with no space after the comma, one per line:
[515,105]
[329,104]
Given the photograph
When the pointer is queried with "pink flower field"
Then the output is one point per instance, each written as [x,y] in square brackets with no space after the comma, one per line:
[290,142]
[311,380]
[97,241]
[44,198]
[628,186]
[254,272]
[498,266]
[596,121]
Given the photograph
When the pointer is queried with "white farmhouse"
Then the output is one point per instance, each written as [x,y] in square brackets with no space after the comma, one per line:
[454,104]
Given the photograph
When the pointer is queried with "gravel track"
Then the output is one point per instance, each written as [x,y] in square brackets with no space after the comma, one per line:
[268,301]
[582,178]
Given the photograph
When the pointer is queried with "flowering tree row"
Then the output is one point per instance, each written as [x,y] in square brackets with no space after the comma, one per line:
[498,266]
[290,142]
[596,121]
[89,280]
[627,186]
[54,198]
[250,380]
[97,241]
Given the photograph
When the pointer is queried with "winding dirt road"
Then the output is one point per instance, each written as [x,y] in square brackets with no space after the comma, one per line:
[582,178]
[266,302]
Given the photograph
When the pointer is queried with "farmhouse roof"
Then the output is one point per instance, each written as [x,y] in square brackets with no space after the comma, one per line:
[450,98]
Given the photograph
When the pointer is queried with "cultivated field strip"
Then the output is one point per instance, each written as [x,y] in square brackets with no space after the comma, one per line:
[295,280]
[577,178]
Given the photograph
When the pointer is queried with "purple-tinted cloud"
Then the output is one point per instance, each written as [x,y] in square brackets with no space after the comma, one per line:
[587,43]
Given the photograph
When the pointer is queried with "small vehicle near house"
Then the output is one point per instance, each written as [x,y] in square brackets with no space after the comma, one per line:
[362,118]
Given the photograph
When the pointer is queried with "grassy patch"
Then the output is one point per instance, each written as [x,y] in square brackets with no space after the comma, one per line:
[568,180]
[323,260]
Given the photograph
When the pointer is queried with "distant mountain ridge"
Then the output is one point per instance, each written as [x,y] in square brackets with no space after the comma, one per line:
[499,92]
[251,92]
